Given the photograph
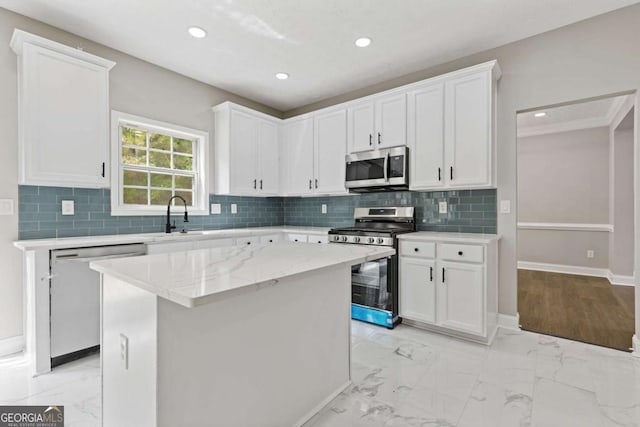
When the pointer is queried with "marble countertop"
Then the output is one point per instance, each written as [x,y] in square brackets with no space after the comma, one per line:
[77,242]
[450,237]
[202,276]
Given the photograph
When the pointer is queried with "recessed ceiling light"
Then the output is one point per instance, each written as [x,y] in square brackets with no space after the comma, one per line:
[197,32]
[282,76]
[542,114]
[363,42]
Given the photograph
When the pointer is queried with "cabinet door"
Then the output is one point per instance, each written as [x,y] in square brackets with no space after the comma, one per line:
[299,154]
[330,150]
[468,130]
[417,289]
[426,137]
[360,127]
[243,158]
[461,297]
[391,121]
[64,120]
[269,180]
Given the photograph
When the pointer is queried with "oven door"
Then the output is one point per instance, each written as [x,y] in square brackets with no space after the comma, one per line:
[378,168]
[374,291]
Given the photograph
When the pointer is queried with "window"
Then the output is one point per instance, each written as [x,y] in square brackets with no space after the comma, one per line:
[152,161]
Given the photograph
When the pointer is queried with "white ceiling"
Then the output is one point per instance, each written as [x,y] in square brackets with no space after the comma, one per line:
[582,115]
[312,40]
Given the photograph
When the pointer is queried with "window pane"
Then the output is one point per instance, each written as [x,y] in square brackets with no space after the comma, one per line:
[160,142]
[160,197]
[132,136]
[134,156]
[188,196]
[161,160]
[161,180]
[134,196]
[135,178]
[183,145]
[182,162]
[185,182]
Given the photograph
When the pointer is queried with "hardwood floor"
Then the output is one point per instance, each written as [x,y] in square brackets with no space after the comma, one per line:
[580,308]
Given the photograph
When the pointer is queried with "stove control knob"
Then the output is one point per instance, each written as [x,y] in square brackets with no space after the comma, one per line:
[336,238]
[344,238]
[370,240]
[380,240]
[356,239]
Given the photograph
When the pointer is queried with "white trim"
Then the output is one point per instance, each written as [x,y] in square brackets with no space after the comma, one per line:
[20,37]
[201,196]
[11,345]
[507,321]
[564,226]
[626,104]
[635,345]
[614,279]
[306,417]
[571,125]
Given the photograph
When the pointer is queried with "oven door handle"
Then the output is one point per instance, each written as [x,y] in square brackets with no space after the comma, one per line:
[386,168]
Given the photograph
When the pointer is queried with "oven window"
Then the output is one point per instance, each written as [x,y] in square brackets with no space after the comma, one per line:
[365,169]
[369,285]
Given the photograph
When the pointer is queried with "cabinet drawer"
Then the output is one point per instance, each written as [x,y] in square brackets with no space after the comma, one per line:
[467,253]
[247,241]
[297,237]
[312,238]
[417,249]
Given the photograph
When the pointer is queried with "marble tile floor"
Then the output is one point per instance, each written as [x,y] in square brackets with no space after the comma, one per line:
[409,377]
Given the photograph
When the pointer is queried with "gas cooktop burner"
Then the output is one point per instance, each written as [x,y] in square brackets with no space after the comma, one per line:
[376,226]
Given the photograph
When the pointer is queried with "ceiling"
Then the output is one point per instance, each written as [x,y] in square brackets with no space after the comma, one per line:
[581,115]
[313,40]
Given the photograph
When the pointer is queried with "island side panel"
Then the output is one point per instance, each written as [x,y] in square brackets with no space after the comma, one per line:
[272,357]
[128,392]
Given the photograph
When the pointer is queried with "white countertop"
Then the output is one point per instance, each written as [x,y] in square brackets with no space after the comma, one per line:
[450,237]
[197,277]
[78,242]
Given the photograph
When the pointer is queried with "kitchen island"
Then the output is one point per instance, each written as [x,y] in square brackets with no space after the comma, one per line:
[238,336]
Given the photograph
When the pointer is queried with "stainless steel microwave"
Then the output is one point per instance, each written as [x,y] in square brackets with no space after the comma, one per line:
[378,170]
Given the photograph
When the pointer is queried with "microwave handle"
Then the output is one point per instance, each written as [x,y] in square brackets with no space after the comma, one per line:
[386,168]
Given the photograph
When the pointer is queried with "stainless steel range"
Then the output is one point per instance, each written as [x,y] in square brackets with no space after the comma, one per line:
[374,284]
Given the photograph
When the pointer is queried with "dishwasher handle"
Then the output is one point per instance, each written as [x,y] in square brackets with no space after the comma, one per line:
[99,258]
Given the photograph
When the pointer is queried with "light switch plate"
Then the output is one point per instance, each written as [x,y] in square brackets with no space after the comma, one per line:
[6,206]
[442,207]
[505,206]
[324,208]
[68,207]
[216,208]
[234,208]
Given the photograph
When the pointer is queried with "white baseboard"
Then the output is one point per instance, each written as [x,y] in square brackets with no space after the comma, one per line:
[506,321]
[614,279]
[11,345]
[636,345]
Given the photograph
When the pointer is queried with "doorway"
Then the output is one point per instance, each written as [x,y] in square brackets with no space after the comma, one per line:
[576,221]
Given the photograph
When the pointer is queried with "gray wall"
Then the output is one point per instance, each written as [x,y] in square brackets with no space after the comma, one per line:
[137,87]
[564,178]
[585,60]
[621,243]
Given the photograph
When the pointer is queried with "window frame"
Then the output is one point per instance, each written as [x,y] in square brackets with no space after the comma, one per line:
[200,163]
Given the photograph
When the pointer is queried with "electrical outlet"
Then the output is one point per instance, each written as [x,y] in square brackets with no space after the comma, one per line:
[590,253]
[216,208]
[324,208]
[234,208]
[442,207]
[124,351]
[67,207]
[6,206]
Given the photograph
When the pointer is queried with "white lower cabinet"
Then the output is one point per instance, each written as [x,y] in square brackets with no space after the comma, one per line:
[213,243]
[165,248]
[450,287]
[271,238]
[297,237]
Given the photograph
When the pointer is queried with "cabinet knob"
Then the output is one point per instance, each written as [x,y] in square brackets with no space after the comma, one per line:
[416,249]
[270,240]
[248,243]
[460,253]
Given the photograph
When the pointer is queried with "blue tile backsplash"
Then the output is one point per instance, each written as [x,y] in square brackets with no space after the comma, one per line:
[40,217]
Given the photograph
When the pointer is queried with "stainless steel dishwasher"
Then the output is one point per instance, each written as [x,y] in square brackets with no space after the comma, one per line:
[75,299]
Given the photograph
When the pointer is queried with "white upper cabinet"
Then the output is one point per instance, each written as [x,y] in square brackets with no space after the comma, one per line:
[330,149]
[377,123]
[451,130]
[246,152]
[314,150]
[63,114]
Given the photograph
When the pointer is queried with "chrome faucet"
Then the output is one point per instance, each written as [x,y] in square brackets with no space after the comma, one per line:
[168,227]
